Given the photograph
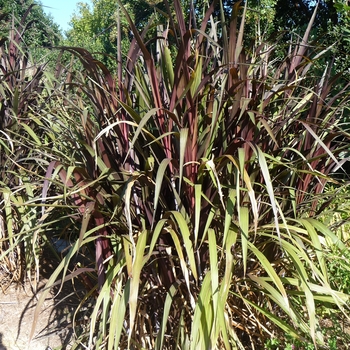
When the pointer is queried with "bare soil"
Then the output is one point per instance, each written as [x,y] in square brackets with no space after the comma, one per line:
[54,325]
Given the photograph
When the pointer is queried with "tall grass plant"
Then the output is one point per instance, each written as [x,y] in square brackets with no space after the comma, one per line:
[193,179]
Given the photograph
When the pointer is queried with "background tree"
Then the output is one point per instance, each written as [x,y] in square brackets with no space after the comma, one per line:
[291,14]
[95,27]
[39,29]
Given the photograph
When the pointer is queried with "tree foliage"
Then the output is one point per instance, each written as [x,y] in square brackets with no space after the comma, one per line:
[95,27]
[38,30]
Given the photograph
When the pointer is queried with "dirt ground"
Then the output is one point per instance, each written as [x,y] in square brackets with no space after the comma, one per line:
[54,325]
[53,330]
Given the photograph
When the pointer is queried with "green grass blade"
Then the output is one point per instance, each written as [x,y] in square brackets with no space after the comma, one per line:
[271,272]
[200,336]
[183,144]
[198,209]
[243,219]
[182,263]
[159,182]
[213,259]
[135,280]
[167,305]
[185,235]
[268,183]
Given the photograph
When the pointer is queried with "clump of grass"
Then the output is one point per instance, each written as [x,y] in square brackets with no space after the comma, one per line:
[25,90]
[194,178]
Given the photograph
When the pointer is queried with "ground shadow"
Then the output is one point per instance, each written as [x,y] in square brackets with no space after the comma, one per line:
[2,346]
[63,301]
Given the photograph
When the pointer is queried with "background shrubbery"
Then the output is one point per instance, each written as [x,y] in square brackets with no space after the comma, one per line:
[198,179]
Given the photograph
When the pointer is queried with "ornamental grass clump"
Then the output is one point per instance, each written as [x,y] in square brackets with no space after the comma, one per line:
[22,151]
[193,178]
